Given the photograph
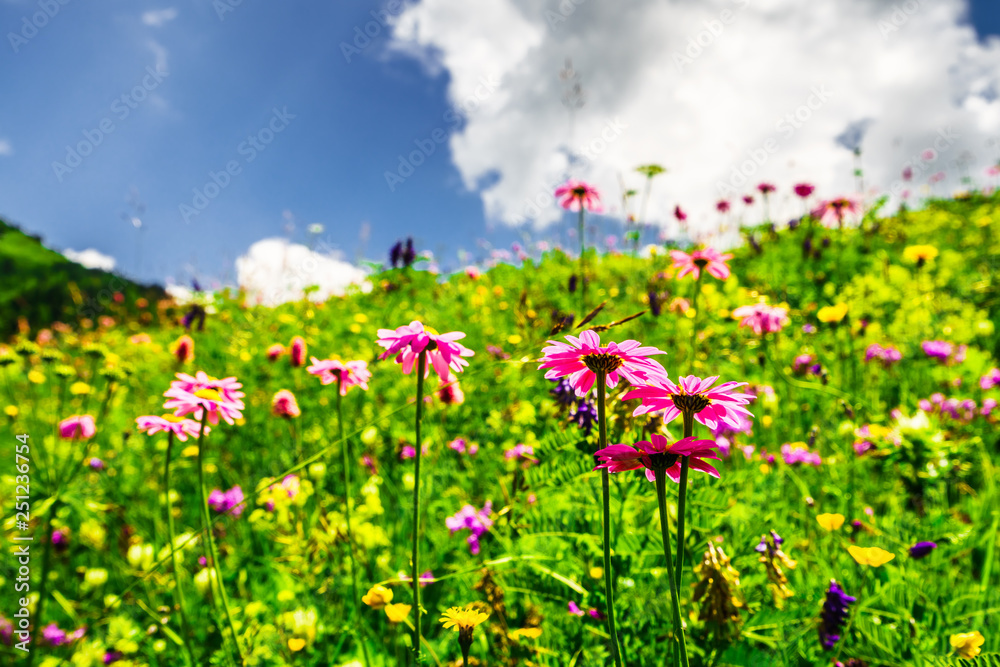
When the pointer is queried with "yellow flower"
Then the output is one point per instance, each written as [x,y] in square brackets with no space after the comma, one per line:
[463,619]
[966,644]
[377,597]
[189,451]
[597,572]
[872,556]
[830,522]
[514,339]
[11,411]
[79,388]
[832,313]
[918,254]
[36,377]
[529,633]
[360,318]
[296,644]
[397,612]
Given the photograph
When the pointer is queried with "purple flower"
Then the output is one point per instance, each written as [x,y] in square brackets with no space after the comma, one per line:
[944,351]
[990,380]
[224,501]
[834,615]
[801,363]
[7,630]
[808,328]
[988,405]
[51,634]
[521,452]
[407,452]
[922,549]
[60,539]
[460,446]
[575,610]
[585,415]
[112,656]
[564,392]
[888,355]
[478,522]
[799,454]
[96,463]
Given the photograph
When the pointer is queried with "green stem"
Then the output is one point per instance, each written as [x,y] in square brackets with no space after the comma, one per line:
[210,552]
[415,581]
[347,512]
[681,498]
[606,502]
[661,497]
[43,583]
[173,553]
[694,320]
[583,277]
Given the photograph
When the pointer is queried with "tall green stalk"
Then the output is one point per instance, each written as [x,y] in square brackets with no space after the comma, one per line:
[681,498]
[609,589]
[583,276]
[347,512]
[173,552]
[661,497]
[210,552]
[694,320]
[43,583]
[415,581]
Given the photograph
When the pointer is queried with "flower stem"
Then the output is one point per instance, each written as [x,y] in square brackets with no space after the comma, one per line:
[583,277]
[210,552]
[694,320]
[347,512]
[606,502]
[415,581]
[661,497]
[43,582]
[681,498]
[173,553]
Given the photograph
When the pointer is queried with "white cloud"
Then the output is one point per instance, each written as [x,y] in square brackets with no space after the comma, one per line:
[6,148]
[275,271]
[159,17]
[90,258]
[701,87]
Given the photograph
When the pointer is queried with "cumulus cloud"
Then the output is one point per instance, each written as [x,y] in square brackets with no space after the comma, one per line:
[159,17]
[90,258]
[275,271]
[723,93]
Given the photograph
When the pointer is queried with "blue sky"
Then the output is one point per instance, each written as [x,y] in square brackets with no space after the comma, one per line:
[197,84]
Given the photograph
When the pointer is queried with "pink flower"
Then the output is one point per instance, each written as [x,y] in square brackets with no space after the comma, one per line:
[574,609]
[194,395]
[833,211]
[283,404]
[297,351]
[944,351]
[799,454]
[680,214]
[407,452]
[478,522]
[888,355]
[179,426]
[990,380]
[521,452]
[346,374]
[695,396]
[77,427]
[803,190]
[722,205]
[184,349]
[762,318]
[224,501]
[659,452]
[709,259]
[747,199]
[449,392]
[766,188]
[583,356]
[407,342]
[473,272]
[575,194]
[275,351]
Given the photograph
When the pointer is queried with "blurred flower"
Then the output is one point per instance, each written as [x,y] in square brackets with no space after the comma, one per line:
[574,194]
[224,501]
[345,374]
[574,609]
[722,206]
[397,613]
[449,392]
[919,254]
[407,452]
[922,549]
[584,415]
[407,342]
[194,395]
[808,328]
[659,453]
[77,427]
[766,188]
[140,339]
[680,214]
[709,259]
[835,210]
[377,596]
[834,614]
[773,559]
[990,380]
[870,556]
[179,426]
[967,644]
[830,314]
[60,539]
[297,351]
[944,351]
[693,396]
[718,588]
[275,351]
[762,318]
[183,349]
[477,522]
[888,355]
[522,453]
[426,578]
[803,190]
[584,356]
[797,452]
[283,404]
[747,199]
[563,392]
[830,522]
[460,446]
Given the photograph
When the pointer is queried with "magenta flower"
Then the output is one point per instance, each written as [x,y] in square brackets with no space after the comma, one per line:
[196,395]
[762,318]
[799,454]
[521,452]
[833,211]
[722,206]
[990,380]
[747,199]
[179,426]
[583,357]
[888,355]
[297,351]
[574,194]
[224,501]
[803,190]
[659,452]
[460,446]
[477,522]
[766,188]
[275,351]
[450,393]
[709,259]
[407,452]
[680,214]
[407,342]
[944,351]
[574,609]
[695,396]
[77,427]
[283,404]
[347,374]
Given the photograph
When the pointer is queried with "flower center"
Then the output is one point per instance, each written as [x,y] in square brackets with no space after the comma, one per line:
[208,394]
[690,403]
[602,362]
[701,263]
[662,462]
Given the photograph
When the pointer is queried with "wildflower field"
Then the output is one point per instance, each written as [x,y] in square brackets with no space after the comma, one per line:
[781,455]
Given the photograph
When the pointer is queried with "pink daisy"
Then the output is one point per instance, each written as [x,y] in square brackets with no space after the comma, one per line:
[659,452]
[574,194]
[709,259]
[407,342]
[762,318]
[584,356]
[710,406]
[80,427]
[179,426]
[347,373]
[283,404]
[275,351]
[766,188]
[228,387]
[833,211]
[193,395]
